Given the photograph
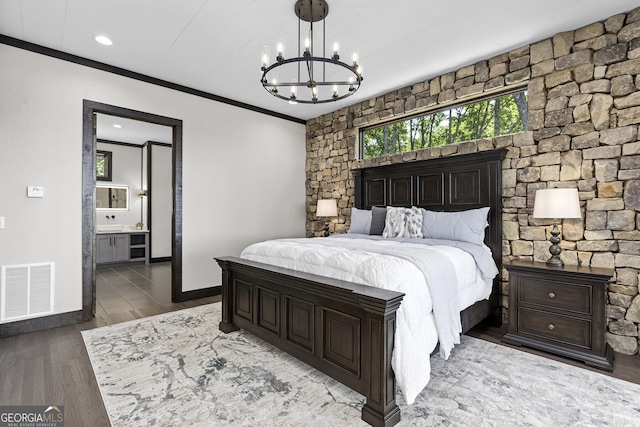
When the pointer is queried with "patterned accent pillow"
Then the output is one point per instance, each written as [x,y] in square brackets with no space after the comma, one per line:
[403,222]
[413,226]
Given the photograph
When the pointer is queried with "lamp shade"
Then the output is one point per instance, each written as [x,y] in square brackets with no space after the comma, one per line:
[557,203]
[327,207]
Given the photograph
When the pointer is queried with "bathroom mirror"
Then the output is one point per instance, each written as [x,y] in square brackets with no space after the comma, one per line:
[113,197]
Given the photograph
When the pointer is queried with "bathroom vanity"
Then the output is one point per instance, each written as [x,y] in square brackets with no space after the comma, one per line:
[122,247]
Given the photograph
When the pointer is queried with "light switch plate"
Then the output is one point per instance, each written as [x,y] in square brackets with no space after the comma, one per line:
[35,191]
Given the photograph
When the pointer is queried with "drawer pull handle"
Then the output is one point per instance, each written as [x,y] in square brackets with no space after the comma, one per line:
[552,294]
[552,326]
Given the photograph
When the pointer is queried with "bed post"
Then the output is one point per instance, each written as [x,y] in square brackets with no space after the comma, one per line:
[357,176]
[380,408]
[226,324]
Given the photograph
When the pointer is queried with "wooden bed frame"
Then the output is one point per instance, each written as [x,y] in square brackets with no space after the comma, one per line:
[347,330]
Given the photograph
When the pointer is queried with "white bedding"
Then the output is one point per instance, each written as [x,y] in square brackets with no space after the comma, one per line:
[348,259]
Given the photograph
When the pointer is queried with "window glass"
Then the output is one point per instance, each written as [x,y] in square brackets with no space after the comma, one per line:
[502,115]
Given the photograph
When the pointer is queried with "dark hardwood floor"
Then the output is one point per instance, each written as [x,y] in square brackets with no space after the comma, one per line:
[52,367]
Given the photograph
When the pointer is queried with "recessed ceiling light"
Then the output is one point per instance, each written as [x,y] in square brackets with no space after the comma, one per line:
[104,40]
[117,126]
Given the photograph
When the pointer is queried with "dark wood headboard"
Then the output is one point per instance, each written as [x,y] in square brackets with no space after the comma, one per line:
[447,184]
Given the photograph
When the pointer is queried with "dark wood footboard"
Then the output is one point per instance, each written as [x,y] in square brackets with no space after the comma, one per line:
[343,329]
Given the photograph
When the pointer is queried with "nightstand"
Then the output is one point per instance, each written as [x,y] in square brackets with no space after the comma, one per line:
[560,310]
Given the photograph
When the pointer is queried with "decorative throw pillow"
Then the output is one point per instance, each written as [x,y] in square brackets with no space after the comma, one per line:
[403,222]
[464,226]
[413,226]
[360,221]
[378,217]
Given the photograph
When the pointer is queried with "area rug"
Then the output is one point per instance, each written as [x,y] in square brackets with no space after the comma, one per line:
[178,369]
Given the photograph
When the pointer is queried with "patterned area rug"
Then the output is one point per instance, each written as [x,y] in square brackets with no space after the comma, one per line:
[178,369]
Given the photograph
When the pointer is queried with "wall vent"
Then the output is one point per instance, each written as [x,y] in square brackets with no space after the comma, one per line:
[26,291]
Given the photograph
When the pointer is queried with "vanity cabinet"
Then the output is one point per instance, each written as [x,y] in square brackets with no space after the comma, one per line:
[112,248]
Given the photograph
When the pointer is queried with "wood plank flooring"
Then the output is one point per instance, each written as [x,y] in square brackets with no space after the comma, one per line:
[52,367]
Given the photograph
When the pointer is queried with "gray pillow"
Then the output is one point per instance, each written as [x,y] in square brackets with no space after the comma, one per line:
[378,216]
[464,226]
[360,221]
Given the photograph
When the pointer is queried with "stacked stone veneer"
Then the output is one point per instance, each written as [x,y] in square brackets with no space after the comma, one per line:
[584,112]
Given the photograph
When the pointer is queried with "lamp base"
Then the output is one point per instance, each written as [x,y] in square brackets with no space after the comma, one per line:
[554,249]
[555,262]
[326,229]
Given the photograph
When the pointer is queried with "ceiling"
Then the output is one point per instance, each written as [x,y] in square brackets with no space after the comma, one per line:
[215,45]
[118,129]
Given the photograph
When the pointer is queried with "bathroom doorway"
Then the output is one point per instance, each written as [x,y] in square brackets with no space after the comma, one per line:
[90,147]
[133,257]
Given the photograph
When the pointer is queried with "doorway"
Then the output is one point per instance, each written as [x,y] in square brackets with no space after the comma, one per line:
[133,258]
[89,144]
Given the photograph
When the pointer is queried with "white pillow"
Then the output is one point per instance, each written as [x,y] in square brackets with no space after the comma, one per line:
[464,226]
[360,221]
[403,222]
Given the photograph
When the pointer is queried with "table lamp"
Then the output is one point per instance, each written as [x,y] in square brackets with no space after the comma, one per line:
[327,208]
[556,204]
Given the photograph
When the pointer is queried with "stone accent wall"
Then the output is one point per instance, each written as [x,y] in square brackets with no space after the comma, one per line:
[584,112]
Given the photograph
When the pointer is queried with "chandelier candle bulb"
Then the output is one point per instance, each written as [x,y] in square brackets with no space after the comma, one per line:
[265,57]
[293,97]
[280,49]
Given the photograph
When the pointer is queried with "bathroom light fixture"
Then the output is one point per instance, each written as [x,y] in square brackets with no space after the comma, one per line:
[556,204]
[303,78]
[103,40]
[326,208]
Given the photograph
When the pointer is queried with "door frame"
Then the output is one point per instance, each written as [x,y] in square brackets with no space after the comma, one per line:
[89,147]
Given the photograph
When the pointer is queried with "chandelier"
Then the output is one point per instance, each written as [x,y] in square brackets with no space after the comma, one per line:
[307,78]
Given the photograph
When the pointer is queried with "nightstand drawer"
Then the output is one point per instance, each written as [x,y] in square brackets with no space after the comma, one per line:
[556,294]
[562,329]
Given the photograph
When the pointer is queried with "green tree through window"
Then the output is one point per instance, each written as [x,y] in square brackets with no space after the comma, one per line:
[489,118]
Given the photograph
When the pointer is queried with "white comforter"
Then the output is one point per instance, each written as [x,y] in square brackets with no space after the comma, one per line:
[381,264]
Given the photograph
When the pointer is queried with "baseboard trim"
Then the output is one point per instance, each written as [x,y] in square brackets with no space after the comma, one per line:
[160,259]
[40,323]
[200,293]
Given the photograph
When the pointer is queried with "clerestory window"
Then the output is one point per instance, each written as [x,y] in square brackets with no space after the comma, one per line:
[501,115]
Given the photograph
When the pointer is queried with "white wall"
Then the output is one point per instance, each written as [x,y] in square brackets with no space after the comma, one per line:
[243,177]
[161,201]
[126,171]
